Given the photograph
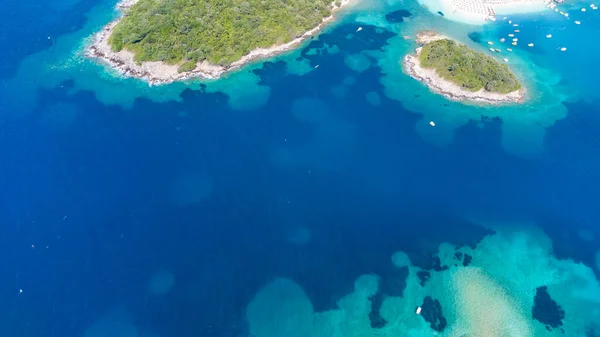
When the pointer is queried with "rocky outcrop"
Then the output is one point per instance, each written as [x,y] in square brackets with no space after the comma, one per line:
[448,89]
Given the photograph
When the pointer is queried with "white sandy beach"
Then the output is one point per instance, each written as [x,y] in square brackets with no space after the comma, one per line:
[161,73]
[480,11]
[448,89]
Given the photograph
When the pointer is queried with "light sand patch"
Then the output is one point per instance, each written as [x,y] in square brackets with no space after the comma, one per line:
[484,307]
[298,235]
[373,98]
[357,62]
[114,324]
[161,282]
[493,297]
[281,308]
[586,235]
[400,259]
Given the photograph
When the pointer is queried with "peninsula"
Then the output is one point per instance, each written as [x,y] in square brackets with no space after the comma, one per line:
[461,74]
[162,41]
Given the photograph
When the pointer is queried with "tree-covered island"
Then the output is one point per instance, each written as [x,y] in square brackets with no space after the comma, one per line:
[166,40]
[460,73]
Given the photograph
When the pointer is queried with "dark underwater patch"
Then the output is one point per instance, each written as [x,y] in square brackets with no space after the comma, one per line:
[270,72]
[437,264]
[369,38]
[377,322]
[476,37]
[467,260]
[394,283]
[566,241]
[424,276]
[546,310]
[397,16]
[431,310]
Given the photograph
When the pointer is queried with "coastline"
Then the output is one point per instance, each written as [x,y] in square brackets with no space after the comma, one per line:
[451,91]
[157,72]
[478,12]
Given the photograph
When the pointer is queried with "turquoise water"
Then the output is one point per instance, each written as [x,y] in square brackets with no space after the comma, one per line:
[543,69]
[309,189]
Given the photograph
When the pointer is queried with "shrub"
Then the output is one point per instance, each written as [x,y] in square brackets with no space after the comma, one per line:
[220,31]
[187,66]
[469,69]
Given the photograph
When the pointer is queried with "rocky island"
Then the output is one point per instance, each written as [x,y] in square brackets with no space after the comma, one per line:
[461,74]
[162,41]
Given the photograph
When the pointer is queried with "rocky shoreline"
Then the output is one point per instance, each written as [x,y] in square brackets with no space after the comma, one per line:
[448,89]
[156,73]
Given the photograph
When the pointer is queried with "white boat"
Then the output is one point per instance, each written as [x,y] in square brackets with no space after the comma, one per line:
[419,308]
[577,22]
[502,39]
[509,49]
[563,49]
[515,39]
[359,29]
[517,31]
[506,60]
[509,22]
[549,36]
[511,35]
[514,43]
[516,25]
[498,50]
[492,50]
[583,9]
[530,44]
[490,43]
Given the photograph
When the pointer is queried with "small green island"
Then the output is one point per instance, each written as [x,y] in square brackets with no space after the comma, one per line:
[159,39]
[460,73]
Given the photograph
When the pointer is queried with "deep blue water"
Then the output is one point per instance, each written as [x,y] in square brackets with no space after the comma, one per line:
[85,219]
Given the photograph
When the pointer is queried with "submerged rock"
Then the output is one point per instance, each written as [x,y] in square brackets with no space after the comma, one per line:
[397,16]
[431,310]
[546,310]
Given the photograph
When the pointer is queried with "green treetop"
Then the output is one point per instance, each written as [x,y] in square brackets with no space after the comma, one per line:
[220,31]
[467,68]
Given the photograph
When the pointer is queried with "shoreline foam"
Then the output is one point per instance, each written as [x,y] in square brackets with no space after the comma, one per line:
[157,72]
[451,91]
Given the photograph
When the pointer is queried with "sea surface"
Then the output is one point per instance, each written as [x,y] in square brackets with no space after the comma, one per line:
[306,195]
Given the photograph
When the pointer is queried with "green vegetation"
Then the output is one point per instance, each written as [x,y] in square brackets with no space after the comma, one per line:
[469,69]
[186,66]
[220,31]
